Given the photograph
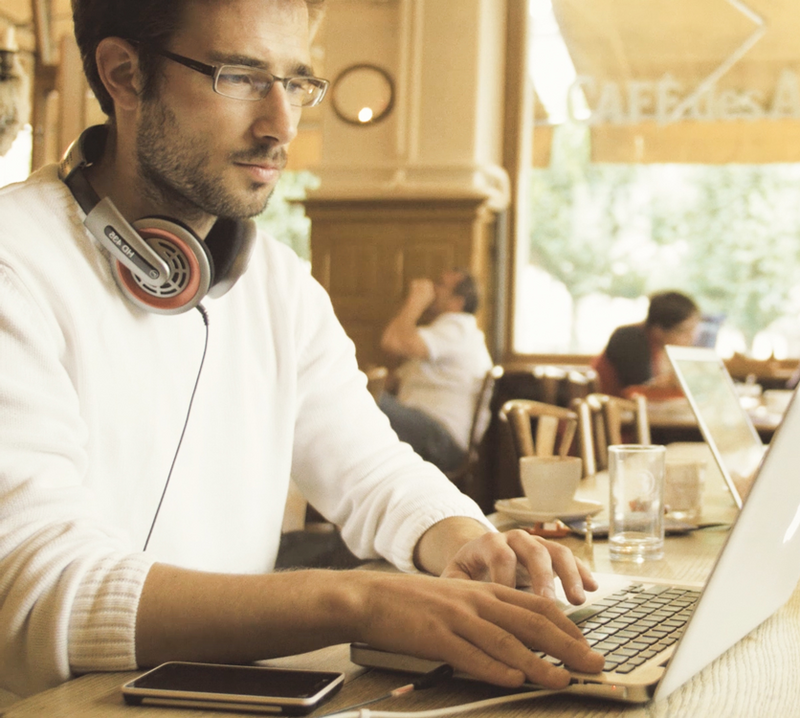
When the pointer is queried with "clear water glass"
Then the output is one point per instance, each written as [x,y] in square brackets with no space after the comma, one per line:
[636,502]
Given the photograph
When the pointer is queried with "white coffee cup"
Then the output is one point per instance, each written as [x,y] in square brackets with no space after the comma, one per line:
[550,482]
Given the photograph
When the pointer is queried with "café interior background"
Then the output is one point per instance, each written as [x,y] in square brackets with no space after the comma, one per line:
[575,155]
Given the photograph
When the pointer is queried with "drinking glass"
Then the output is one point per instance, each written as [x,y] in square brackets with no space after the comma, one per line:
[636,502]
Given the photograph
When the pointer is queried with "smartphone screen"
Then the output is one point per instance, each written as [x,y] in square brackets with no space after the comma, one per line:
[179,683]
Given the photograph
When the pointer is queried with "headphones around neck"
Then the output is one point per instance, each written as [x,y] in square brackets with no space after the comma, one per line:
[159,263]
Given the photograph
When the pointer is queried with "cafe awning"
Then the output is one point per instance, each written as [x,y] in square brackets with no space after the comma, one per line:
[707,81]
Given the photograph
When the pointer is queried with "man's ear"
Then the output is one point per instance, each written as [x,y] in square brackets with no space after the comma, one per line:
[118,66]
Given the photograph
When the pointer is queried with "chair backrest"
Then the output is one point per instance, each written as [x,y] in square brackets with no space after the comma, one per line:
[601,419]
[465,475]
[579,384]
[547,383]
[550,380]
[482,415]
[554,425]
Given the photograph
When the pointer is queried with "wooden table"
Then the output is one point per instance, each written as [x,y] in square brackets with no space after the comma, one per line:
[757,678]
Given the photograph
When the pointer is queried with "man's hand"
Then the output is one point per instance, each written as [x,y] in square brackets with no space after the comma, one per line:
[401,337]
[483,629]
[420,295]
[464,548]
[516,558]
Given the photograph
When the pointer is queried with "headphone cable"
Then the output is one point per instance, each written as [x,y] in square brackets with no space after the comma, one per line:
[200,308]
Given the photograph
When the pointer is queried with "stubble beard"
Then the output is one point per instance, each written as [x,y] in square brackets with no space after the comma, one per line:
[173,170]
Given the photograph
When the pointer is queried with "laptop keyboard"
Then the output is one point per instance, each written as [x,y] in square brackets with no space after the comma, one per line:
[633,625]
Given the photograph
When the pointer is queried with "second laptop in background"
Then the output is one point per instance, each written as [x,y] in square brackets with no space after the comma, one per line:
[725,425]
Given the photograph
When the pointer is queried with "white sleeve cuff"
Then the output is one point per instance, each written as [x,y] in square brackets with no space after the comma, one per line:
[419,518]
[102,628]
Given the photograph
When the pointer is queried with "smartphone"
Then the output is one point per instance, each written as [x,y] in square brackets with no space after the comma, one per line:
[256,689]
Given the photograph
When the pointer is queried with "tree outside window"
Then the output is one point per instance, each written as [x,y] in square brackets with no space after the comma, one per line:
[728,235]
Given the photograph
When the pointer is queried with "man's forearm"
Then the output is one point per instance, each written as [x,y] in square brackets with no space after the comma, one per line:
[401,336]
[190,615]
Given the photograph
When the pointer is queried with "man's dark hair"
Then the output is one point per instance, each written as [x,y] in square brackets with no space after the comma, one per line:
[668,309]
[467,289]
[150,23]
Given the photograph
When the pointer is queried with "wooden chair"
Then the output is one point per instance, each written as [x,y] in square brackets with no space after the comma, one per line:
[602,420]
[579,384]
[550,381]
[547,383]
[554,425]
[465,475]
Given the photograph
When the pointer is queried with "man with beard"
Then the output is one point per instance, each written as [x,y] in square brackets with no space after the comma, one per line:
[446,360]
[146,454]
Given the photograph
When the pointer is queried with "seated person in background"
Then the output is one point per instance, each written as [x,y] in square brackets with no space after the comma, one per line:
[634,355]
[447,359]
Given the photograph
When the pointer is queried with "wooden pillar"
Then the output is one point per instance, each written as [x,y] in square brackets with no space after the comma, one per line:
[366,251]
[421,190]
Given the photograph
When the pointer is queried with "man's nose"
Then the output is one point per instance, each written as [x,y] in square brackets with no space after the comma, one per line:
[276,118]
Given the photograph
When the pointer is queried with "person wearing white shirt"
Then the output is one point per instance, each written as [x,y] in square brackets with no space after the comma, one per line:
[446,360]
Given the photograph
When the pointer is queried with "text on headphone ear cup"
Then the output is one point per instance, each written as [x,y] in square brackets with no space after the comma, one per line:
[191,269]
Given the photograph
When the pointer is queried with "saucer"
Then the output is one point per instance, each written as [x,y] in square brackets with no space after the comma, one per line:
[520,510]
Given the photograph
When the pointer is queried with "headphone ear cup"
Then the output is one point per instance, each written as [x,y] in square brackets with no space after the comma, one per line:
[191,268]
[230,242]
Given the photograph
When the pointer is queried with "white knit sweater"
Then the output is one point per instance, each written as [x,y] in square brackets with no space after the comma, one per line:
[93,398]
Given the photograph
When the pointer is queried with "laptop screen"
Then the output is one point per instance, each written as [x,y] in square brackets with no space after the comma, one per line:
[725,425]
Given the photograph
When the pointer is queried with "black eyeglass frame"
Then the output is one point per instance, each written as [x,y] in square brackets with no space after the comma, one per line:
[214,71]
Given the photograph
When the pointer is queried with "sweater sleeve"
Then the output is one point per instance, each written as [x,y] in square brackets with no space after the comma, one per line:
[69,583]
[348,461]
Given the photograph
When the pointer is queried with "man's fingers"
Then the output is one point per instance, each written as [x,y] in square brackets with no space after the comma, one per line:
[541,625]
[589,581]
[466,657]
[494,561]
[505,558]
[513,650]
[545,559]
[540,633]
[531,604]
[534,556]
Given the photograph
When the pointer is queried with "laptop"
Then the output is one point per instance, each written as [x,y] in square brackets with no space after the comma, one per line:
[725,425]
[755,574]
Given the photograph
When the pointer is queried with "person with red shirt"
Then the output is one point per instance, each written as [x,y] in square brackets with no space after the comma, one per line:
[635,356]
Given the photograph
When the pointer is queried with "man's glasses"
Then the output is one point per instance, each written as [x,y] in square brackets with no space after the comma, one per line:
[252,84]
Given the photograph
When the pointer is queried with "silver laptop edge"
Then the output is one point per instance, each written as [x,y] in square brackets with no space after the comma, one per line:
[757,569]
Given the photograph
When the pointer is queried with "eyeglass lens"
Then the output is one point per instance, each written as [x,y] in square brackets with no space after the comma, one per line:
[246,84]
